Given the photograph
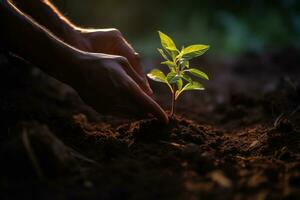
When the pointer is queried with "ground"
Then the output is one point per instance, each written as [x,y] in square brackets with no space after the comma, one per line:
[240,139]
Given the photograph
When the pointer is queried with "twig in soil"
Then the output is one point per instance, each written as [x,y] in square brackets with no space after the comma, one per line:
[278,119]
[284,116]
[32,155]
[295,111]
[291,83]
[81,157]
[173,144]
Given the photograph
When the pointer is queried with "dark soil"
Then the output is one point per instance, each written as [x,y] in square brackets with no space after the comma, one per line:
[240,139]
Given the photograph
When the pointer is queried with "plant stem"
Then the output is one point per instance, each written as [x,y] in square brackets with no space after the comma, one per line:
[173,102]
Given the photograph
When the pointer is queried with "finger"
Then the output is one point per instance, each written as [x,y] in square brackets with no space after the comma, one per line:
[128,51]
[147,103]
[134,60]
[137,62]
[133,74]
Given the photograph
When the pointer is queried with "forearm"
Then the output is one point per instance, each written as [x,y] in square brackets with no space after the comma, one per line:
[24,37]
[47,15]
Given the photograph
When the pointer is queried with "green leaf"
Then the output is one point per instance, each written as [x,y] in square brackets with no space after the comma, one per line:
[198,73]
[186,64]
[190,86]
[194,51]
[172,66]
[162,53]
[157,75]
[179,56]
[186,77]
[193,86]
[168,44]
[173,49]
[166,41]
[173,53]
[179,84]
[172,77]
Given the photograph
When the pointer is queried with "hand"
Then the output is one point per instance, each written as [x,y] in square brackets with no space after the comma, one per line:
[109,84]
[111,41]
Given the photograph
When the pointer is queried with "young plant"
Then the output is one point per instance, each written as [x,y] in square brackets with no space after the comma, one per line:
[178,79]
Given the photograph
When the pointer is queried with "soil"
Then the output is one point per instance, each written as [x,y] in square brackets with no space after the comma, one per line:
[240,139]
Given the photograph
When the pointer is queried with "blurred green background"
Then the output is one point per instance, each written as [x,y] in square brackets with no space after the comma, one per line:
[231,27]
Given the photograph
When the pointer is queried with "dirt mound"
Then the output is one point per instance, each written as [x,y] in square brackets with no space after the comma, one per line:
[53,146]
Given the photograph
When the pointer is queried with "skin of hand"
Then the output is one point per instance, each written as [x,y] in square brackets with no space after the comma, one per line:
[111,41]
[104,83]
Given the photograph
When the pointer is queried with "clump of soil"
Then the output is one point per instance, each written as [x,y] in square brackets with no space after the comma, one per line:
[53,146]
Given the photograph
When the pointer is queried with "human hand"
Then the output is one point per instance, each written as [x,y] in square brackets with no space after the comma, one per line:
[111,41]
[111,86]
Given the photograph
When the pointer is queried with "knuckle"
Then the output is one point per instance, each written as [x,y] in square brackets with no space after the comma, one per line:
[137,56]
[122,60]
[116,33]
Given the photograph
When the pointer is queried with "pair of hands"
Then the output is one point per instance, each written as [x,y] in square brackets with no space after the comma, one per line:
[109,76]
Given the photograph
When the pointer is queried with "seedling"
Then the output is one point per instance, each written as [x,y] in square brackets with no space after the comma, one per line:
[178,79]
